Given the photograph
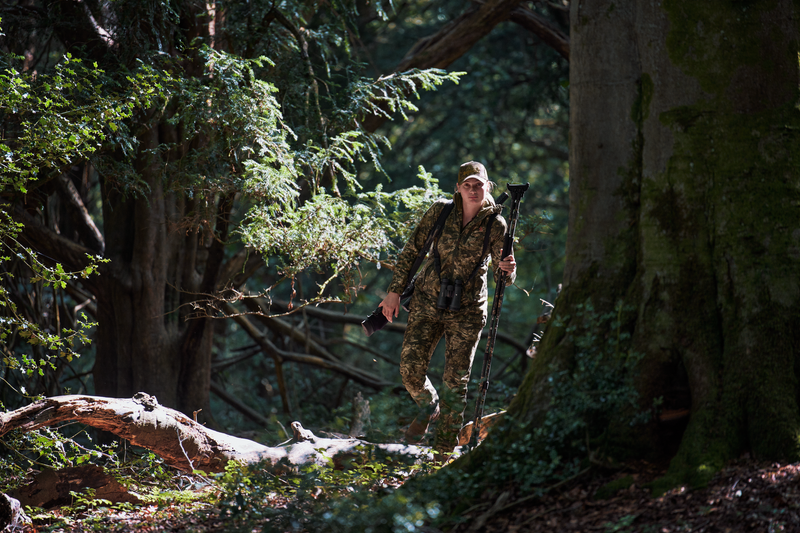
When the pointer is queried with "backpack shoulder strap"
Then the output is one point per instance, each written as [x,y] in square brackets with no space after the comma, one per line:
[437,228]
[432,235]
[487,238]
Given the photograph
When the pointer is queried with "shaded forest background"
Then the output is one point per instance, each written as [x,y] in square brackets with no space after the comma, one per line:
[164,162]
[193,135]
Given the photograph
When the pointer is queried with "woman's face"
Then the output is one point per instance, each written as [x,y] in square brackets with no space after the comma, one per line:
[472,191]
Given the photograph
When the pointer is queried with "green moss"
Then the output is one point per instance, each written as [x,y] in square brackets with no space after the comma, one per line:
[641,106]
[647,88]
[723,220]
[693,477]
[712,39]
[167,497]
[610,489]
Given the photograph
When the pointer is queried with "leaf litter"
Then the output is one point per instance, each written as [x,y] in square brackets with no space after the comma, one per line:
[745,496]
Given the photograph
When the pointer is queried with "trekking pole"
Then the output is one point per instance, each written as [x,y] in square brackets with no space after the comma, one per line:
[517,190]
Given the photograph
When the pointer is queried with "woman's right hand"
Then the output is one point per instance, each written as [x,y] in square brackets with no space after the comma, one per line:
[391,306]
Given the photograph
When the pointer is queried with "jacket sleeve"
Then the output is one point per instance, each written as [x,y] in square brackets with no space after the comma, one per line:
[498,236]
[410,251]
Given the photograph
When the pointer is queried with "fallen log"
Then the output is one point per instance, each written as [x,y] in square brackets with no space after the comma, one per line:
[12,517]
[187,445]
[54,488]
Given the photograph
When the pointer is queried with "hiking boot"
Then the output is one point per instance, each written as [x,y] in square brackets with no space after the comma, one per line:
[417,430]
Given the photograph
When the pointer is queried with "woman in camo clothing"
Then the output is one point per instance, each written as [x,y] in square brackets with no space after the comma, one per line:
[460,248]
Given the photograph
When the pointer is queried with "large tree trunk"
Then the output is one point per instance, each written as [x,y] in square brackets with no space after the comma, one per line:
[685,205]
[157,263]
[134,352]
[143,341]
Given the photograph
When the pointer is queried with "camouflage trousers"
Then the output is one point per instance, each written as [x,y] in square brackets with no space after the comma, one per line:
[462,331]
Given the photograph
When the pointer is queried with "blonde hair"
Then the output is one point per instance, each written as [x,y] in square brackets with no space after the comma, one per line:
[490,185]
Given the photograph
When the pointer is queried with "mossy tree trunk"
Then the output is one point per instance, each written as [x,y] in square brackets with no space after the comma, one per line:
[685,206]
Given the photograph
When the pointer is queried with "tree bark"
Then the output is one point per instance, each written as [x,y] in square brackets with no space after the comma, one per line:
[685,206]
[135,350]
[186,444]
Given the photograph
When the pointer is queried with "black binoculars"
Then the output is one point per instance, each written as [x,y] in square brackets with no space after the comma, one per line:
[450,294]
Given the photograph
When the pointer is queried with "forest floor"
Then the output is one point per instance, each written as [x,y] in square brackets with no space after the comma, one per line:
[745,496]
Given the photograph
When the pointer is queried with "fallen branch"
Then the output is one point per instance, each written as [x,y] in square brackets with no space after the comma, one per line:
[11,513]
[54,488]
[185,444]
[328,361]
[237,404]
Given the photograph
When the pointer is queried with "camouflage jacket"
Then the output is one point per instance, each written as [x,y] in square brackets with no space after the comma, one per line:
[459,250]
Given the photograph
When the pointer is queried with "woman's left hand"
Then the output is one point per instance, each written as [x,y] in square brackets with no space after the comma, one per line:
[508,265]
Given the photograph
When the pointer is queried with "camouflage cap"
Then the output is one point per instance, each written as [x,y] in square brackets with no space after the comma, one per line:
[472,169]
